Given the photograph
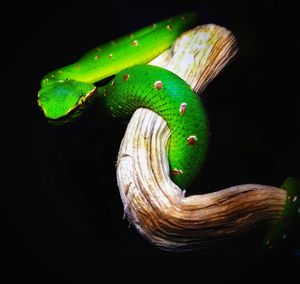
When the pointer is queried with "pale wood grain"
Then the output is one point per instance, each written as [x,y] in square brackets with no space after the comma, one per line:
[152,202]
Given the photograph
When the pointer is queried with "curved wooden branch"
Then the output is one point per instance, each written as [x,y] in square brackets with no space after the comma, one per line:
[159,209]
[152,202]
[199,55]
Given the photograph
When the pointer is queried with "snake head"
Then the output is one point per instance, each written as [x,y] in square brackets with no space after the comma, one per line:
[63,101]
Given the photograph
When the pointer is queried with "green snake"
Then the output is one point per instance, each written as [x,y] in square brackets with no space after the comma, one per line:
[66,92]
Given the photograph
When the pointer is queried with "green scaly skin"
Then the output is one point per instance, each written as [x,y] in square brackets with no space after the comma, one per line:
[289,220]
[67,91]
[189,139]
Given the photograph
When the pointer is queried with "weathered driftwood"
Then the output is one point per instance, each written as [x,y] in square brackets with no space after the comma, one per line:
[152,202]
[199,55]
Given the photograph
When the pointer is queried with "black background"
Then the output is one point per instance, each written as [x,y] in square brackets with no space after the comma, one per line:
[62,219]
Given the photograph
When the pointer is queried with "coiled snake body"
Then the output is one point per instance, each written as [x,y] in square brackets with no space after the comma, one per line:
[66,92]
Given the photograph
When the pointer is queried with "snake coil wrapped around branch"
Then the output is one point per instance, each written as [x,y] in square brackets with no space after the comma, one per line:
[174,137]
[155,205]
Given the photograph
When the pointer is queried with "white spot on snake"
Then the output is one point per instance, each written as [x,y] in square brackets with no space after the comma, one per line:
[59,72]
[97,57]
[110,56]
[134,43]
[192,140]
[119,106]
[125,77]
[52,76]
[158,85]
[154,25]
[105,93]
[295,199]
[177,172]
[182,108]
[169,27]
[284,236]
[113,83]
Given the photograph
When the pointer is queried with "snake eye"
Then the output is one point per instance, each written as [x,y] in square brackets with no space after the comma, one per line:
[81,102]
